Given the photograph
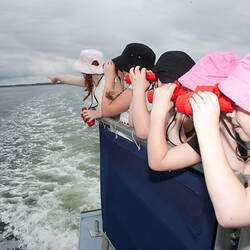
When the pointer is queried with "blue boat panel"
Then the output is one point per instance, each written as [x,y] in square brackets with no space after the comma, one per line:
[145,209]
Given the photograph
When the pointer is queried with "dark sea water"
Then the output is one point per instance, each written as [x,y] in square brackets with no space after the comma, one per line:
[49,163]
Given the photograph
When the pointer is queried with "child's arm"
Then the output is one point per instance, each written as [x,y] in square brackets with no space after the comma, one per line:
[230,199]
[160,157]
[68,79]
[121,103]
[140,113]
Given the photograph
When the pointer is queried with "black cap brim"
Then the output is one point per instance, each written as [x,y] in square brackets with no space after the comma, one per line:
[120,63]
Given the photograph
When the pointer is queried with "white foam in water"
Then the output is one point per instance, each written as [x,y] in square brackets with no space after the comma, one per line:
[49,170]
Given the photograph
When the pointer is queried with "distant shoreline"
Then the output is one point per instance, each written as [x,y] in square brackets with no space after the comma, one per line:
[28,84]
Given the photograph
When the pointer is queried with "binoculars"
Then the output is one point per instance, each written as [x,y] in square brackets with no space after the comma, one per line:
[183,105]
[91,123]
[177,92]
[149,76]
[182,98]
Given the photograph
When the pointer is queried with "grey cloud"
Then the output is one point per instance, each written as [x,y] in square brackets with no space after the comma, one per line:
[33,64]
[40,37]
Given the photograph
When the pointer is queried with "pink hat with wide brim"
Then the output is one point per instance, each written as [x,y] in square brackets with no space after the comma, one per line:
[237,85]
[210,69]
[85,62]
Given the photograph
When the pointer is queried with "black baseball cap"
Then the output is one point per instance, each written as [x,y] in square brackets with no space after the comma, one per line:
[171,65]
[135,54]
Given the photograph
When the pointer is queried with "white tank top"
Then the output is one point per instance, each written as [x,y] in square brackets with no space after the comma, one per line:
[97,94]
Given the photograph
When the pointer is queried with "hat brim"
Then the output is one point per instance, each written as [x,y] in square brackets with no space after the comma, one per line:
[88,69]
[164,78]
[239,93]
[191,81]
[120,62]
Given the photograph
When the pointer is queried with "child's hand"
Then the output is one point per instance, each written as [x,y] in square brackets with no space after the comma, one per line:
[162,98]
[109,70]
[206,111]
[138,79]
[53,79]
[92,114]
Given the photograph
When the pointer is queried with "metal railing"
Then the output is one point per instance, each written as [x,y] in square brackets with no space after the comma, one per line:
[128,132]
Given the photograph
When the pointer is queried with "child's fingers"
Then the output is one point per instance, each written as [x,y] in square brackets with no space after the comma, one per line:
[85,114]
[52,79]
[168,89]
[204,95]
[198,99]
[143,71]
[132,72]
[194,105]
[137,69]
[209,97]
[137,77]
[109,63]
[172,87]
[213,98]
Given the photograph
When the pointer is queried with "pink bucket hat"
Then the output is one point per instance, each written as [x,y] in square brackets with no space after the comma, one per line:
[210,69]
[237,85]
[87,57]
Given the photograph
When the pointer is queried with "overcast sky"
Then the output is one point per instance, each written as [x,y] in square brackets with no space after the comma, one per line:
[44,37]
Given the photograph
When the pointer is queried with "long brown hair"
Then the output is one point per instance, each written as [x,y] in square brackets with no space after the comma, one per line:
[88,80]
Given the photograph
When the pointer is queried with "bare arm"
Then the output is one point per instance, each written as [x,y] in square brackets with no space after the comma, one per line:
[68,79]
[160,157]
[230,199]
[121,103]
[140,113]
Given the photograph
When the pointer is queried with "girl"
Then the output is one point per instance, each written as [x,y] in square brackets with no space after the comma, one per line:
[170,66]
[134,54]
[90,64]
[230,198]
[207,71]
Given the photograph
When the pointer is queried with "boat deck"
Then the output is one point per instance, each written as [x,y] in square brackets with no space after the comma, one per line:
[88,227]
